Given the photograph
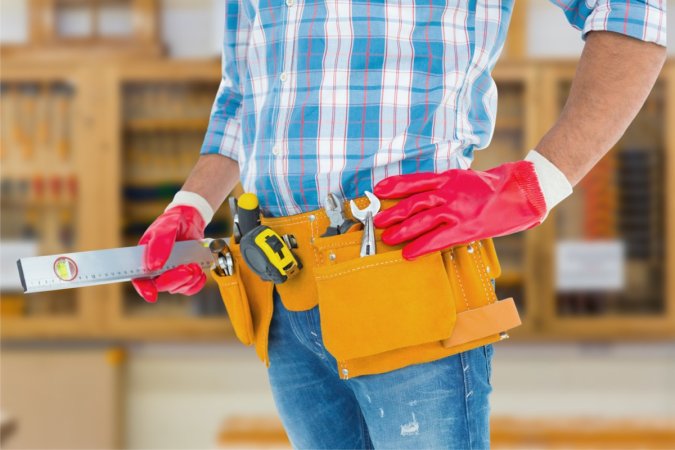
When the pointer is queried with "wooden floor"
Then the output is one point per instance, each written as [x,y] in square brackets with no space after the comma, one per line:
[507,433]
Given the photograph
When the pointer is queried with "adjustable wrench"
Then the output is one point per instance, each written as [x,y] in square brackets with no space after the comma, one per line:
[365,216]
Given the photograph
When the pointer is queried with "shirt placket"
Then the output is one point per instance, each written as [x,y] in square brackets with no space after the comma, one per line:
[286,90]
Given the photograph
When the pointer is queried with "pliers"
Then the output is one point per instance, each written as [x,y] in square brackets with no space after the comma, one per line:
[339,223]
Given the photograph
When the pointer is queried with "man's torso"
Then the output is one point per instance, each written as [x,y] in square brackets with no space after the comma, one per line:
[338,94]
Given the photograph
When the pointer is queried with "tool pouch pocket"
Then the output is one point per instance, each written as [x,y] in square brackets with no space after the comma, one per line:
[381,302]
[236,302]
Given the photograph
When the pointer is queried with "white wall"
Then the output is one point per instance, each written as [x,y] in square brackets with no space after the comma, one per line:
[194,28]
[13,21]
[551,36]
[178,395]
[630,381]
[189,28]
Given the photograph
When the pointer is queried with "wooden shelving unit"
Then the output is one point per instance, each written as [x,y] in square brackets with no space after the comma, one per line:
[126,119]
[49,183]
[626,198]
[516,130]
[128,163]
[135,35]
[164,109]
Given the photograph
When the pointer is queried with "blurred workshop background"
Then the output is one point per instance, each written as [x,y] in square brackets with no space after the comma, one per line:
[104,105]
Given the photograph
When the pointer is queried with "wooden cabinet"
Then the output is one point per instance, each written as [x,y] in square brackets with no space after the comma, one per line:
[50,184]
[163,111]
[116,139]
[516,130]
[131,133]
[622,210]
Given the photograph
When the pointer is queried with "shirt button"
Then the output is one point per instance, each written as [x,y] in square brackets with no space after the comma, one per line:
[276,151]
[283,76]
[290,3]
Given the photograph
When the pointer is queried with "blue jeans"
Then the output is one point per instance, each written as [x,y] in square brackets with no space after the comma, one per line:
[440,404]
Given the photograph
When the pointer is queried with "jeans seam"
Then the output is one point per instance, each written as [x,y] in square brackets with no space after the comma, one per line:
[467,389]
[364,427]
[488,364]
[296,327]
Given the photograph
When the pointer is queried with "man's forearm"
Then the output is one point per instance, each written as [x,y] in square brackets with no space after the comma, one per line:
[614,77]
[213,177]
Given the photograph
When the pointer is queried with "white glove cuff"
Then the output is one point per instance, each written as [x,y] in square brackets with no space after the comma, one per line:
[554,184]
[195,200]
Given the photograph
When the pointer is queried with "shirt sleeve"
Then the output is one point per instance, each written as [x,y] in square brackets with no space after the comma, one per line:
[640,19]
[223,135]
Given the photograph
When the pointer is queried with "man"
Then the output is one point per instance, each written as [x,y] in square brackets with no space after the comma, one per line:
[348,96]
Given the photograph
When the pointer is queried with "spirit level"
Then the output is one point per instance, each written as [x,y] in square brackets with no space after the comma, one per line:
[81,269]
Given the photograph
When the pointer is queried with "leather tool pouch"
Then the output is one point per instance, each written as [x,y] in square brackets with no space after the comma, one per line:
[236,302]
[248,301]
[382,302]
[380,312]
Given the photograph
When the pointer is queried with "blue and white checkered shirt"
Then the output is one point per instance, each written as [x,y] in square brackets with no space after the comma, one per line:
[322,96]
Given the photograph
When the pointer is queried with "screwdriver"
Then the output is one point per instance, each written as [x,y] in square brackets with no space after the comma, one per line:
[248,210]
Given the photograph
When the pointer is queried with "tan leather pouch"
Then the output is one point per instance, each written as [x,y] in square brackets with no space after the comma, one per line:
[248,301]
[236,302]
[381,302]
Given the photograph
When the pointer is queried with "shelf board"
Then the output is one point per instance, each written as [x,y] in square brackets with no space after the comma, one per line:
[511,278]
[172,328]
[150,180]
[44,327]
[166,125]
[509,123]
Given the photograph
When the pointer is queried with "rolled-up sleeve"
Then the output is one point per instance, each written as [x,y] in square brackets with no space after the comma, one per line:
[640,19]
[223,135]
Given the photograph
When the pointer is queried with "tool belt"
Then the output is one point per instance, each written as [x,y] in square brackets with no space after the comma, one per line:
[380,312]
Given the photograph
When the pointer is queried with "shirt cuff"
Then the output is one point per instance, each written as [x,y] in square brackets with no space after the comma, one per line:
[640,20]
[223,137]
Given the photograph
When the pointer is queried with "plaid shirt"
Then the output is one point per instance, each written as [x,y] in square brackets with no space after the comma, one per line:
[322,96]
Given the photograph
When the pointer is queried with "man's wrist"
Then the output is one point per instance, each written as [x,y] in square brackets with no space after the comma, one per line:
[187,198]
[553,183]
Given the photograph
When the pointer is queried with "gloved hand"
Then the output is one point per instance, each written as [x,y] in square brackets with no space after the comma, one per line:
[179,222]
[461,206]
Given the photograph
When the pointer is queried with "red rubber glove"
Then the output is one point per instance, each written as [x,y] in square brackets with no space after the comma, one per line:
[459,206]
[180,223]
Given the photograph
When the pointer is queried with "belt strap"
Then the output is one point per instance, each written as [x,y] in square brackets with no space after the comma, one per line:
[482,322]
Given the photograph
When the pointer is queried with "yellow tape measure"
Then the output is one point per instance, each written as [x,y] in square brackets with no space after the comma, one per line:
[268,255]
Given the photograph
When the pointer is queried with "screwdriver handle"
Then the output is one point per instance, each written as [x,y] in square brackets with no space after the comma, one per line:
[248,211]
